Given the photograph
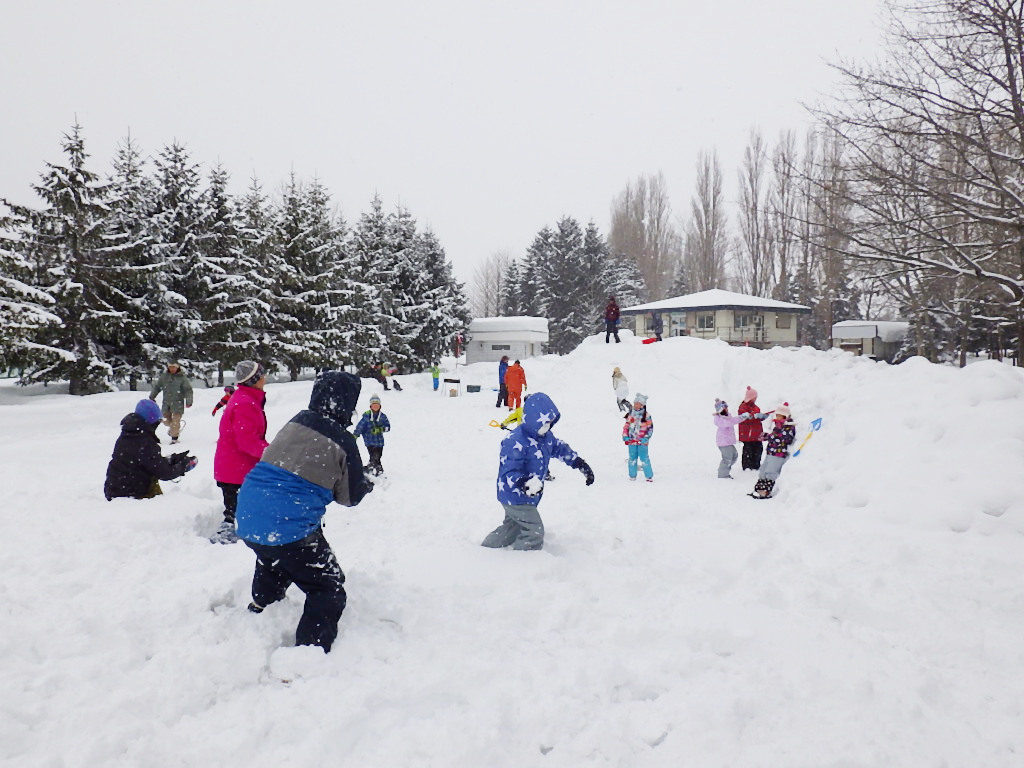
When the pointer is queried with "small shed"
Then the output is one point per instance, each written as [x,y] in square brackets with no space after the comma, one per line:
[489,338]
[735,318]
[877,339]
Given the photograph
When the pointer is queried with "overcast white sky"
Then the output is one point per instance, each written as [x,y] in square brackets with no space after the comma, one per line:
[487,120]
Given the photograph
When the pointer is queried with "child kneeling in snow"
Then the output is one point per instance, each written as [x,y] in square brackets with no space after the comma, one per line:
[525,455]
[779,440]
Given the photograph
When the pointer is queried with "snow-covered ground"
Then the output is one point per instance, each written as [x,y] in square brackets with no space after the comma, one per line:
[872,614]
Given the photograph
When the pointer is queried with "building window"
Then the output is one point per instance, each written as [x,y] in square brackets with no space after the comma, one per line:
[783,321]
[706,322]
[502,346]
[744,321]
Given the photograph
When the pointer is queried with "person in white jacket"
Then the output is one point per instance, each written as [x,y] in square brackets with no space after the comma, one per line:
[621,387]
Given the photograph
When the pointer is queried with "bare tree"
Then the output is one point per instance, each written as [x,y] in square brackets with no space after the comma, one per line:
[782,212]
[642,230]
[706,246]
[755,262]
[488,283]
[947,103]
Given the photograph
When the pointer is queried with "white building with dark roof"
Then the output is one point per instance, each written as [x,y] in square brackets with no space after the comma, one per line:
[735,318]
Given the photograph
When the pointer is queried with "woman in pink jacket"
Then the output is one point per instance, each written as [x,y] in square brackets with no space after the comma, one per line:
[243,438]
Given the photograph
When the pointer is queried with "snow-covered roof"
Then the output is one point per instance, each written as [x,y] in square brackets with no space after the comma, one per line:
[715,299]
[534,329]
[508,324]
[885,330]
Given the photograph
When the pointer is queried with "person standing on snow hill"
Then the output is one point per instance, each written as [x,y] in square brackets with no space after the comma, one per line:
[515,383]
[502,389]
[241,442]
[525,455]
[611,320]
[311,462]
[657,325]
[621,387]
[750,430]
[372,427]
[177,391]
[435,374]
[782,436]
[636,434]
[725,437]
[136,465]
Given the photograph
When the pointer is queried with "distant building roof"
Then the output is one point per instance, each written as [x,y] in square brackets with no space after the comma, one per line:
[715,299]
[521,327]
[885,330]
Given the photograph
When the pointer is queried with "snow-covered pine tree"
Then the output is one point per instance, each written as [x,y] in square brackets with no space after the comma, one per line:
[132,198]
[180,303]
[262,255]
[597,263]
[537,255]
[448,313]
[310,257]
[564,288]
[368,272]
[227,311]
[405,308]
[624,280]
[24,308]
[65,245]
[511,301]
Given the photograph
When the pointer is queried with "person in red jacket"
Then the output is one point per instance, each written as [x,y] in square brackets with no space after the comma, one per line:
[750,430]
[515,383]
[611,320]
[243,438]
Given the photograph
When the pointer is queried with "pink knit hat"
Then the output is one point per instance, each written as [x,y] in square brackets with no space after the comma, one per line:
[751,395]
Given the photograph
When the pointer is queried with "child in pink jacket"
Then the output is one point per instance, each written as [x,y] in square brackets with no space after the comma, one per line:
[725,438]
[243,438]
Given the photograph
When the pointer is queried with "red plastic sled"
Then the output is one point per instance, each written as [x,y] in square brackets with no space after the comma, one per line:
[649,341]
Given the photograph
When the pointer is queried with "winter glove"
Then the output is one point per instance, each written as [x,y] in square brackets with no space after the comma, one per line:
[191,463]
[582,466]
[762,416]
[530,485]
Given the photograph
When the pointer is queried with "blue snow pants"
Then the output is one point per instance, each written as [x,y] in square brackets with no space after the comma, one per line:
[639,453]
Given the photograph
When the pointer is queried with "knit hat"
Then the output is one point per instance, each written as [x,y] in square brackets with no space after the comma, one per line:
[751,395]
[149,411]
[721,406]
[375,399]
[638,398]
[248,371]
[782,412]
[616,370]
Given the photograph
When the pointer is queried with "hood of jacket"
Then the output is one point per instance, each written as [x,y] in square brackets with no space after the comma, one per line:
[538,410]
[133,424]
[335,395]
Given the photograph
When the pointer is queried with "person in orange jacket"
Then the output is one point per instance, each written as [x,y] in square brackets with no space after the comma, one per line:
[515,383]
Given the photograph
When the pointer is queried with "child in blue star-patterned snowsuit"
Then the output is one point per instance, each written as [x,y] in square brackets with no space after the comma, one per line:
[523,465]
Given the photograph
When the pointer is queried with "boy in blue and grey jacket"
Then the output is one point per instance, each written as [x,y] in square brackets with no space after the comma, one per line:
[372,427]
[311,462]
[523,465]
